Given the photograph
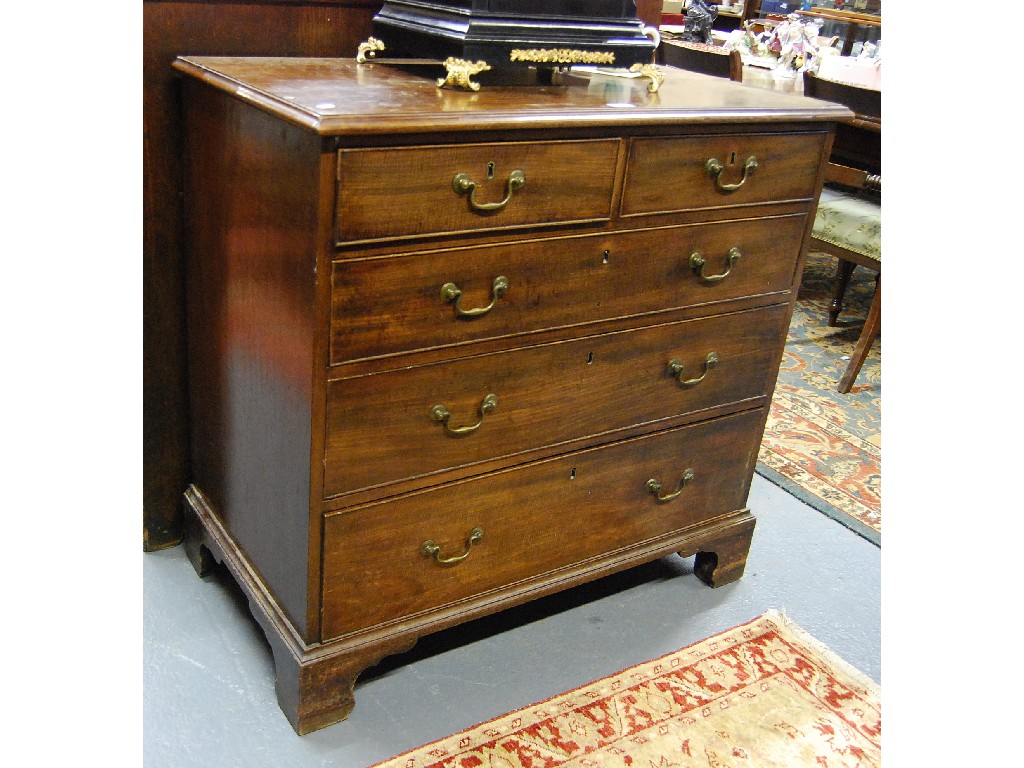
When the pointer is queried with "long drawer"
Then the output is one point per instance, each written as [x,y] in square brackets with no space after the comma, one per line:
[673,174]
[392,426]
[529,521]
[411,191]
[403,303]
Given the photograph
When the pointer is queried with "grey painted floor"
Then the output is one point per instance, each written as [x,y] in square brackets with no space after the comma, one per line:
[209,678]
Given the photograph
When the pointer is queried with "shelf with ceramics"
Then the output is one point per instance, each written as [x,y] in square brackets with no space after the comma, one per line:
[808,41]
[856,22]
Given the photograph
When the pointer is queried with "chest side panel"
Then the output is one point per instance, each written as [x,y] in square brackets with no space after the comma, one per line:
[252,190]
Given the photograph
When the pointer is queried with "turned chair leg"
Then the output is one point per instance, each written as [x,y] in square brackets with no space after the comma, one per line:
[872,327]
[843,271]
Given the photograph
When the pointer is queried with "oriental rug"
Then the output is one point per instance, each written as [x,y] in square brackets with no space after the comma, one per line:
[764,694]
[821,446]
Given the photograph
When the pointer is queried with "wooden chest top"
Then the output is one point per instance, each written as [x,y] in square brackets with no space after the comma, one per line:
[339,97]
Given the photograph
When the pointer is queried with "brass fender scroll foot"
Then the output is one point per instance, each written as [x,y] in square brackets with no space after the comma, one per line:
[459,73]
[368,50]
[657,77]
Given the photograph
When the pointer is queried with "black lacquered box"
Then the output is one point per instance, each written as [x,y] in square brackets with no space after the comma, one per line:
[512,34]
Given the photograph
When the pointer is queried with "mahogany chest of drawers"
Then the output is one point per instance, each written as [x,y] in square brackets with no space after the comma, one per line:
[451,351]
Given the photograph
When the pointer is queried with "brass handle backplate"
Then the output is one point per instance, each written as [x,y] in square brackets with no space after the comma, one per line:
[714,168]
[676,369]
[441,414]
[654,487]
[697,263]
[431,548]
[464,185]
[451,292]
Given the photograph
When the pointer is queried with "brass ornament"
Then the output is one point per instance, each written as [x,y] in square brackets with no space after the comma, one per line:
[459,73]
[651,71]
[561,56]
[368,50]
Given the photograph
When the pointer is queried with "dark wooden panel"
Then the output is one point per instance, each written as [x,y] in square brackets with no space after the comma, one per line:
[699,57]
[858,142]
[280,28]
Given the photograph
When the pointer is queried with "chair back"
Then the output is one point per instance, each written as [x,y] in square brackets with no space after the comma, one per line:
[856,159]
[849,225]
[866,103]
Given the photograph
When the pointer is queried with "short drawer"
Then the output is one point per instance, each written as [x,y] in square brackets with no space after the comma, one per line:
[681,173]
[399,304]
[415,191]
[533,520]
[392,426]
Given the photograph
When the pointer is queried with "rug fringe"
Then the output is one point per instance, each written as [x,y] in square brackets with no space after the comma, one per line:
[773,622]
[780,617]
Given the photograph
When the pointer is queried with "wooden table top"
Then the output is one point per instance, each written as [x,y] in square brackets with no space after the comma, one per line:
[340,97]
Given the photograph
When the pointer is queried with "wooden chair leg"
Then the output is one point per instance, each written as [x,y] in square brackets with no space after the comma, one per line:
[872,327]
[843,271]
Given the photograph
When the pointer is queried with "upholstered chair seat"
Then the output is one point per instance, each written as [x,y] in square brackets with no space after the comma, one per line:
[848,225]
[849,220]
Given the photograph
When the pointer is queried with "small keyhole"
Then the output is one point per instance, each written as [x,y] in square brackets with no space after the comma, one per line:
[490,169]
[572,474]
[732,159]
[590,359]
[607,256]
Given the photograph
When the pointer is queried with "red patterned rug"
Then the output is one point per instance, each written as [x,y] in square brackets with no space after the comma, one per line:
[761,695]
[822,446]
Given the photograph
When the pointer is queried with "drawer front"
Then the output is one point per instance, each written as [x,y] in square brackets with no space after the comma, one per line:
[412,191]
[534,520]
[404,303]
[387,427]
[671,174]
